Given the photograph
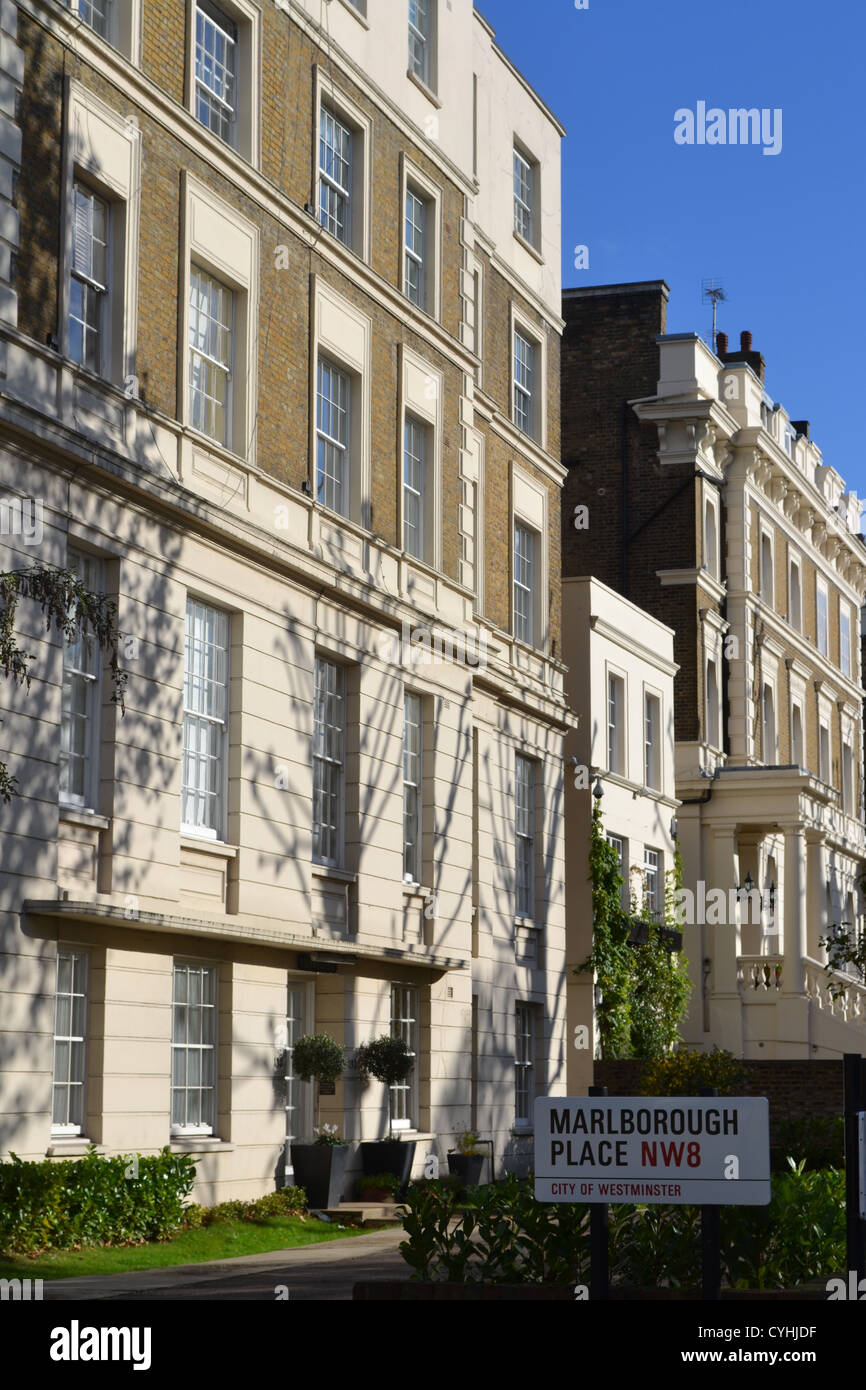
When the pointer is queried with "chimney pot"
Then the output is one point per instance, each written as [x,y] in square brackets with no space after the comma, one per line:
[745,341]
[721,344]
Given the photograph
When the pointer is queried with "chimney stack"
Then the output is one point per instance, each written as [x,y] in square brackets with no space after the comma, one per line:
[746,353]
[802,427]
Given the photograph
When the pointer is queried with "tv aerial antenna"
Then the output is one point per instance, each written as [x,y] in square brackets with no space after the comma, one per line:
[712,292]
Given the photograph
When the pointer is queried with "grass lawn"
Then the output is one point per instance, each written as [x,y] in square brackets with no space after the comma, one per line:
[220,1241]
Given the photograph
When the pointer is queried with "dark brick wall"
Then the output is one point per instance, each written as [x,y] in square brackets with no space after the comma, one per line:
[795,1089]
[641,519]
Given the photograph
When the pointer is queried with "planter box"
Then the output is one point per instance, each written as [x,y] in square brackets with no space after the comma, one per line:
[467,1167]
[389,1156]
[319,1169]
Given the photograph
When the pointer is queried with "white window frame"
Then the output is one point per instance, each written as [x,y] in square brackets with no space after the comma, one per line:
[795,592]
[359,126]
[767,578]
[536,338]
[653,898]
[822,630]
[422,38]
[223,244]
[413,787]
[530,504]
[329,762]
[770,754]
[75,1071]
[299,1094]
[103,154]
[522,163]
[525,1063]
[122,29]
[215,826]
[525,784]
[618,843]
[422,401]
[713,702]
[616,745]
[798,755]
[413,180]
[415,451]
[711,537]
[204,1127]
[652,740]
[343,335]
[211,365]
[825,749]
[89,671]
[330,442]
[848,774]
[405,1022]
[845,649]
[245,137]
[525,585]
[95,288]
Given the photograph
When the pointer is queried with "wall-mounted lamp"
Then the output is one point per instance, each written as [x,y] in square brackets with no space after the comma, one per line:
[675,826]
[598,789]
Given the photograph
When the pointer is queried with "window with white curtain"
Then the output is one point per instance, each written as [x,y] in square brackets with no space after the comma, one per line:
[524,583]
[413,732]
[414,478]
[524,830]
[524,1065]
[332,438]
[329,761]
[211,333]
[194,1049]
[79,702]
[89,311]
[405,1004]
[70,1041]
[205,720]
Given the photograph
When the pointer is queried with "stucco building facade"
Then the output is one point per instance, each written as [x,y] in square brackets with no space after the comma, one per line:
[715,511]
[280,375]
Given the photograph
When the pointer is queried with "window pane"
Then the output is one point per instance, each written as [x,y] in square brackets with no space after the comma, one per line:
[524,370]
[215,71]
[416,216]
[193,1065]
[413,487]
[88,289]
[412,745]
[205,718]
[523,197]
[524,826]
[70,1035]
[328,761]
[404,1024]
[524,583]
[211,308]
[332,482]
[335,176]
[419,36]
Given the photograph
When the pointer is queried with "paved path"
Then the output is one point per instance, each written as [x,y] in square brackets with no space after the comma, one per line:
[311,1273]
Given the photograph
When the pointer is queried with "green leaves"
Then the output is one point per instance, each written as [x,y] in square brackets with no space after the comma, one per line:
[686,1072]
[91,1201]
[500,1235]
[644,989]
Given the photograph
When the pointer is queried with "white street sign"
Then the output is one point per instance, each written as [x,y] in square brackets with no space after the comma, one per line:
[699,1150]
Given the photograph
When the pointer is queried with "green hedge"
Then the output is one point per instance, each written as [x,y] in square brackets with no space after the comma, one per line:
[500,1235]
[91,1201]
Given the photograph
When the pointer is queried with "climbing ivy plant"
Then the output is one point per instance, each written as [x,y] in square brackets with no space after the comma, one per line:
[71,609]
[642,990]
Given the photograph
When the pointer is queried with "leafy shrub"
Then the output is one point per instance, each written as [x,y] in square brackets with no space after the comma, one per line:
[92,1201]
[819,1140]
[502,1235]
[318,1056]
[686,1072]
[387,1058]
[289,1201]
[389,1182]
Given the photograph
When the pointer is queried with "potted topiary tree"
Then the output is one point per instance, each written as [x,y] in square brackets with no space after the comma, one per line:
[319,1166]
[465,1161]
[389,1060]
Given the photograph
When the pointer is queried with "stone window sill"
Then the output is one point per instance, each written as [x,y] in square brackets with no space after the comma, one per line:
[422,87]
[199,1145]
[71,1148]
[78,815]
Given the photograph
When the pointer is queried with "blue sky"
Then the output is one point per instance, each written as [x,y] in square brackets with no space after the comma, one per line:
[784,233]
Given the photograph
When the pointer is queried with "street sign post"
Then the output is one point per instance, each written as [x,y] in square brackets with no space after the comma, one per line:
[680,1150]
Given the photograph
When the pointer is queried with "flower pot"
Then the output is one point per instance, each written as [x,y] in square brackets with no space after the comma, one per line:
[467,1167]
[389,1156]
[319,1169]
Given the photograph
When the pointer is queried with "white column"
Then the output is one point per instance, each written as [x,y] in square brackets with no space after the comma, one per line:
[724,941]
[794,911]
